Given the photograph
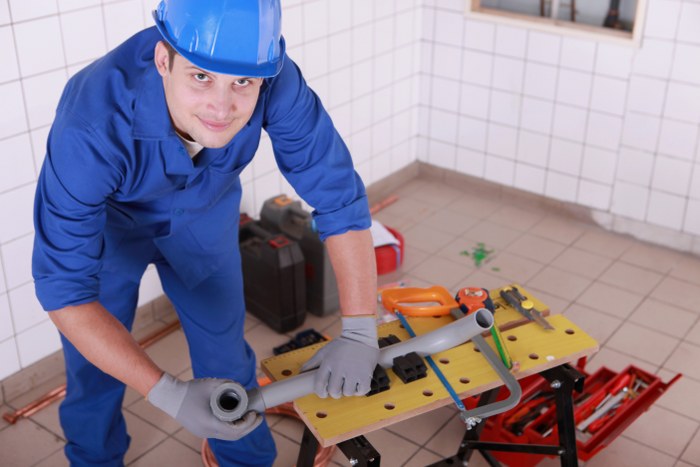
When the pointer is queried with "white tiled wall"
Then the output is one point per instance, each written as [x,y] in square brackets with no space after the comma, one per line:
[360,56]
[612,127]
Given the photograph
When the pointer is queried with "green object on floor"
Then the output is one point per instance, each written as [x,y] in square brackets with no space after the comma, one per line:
[479,253]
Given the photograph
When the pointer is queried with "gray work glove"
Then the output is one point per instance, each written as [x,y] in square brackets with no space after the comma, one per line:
[188,403]
[345,364]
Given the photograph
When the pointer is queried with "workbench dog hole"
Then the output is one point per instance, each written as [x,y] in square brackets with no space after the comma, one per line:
[389,406]
[464,380]
[570,331]
[444,361]
[428,393]
[512,338]
[321,414]
[534,356]
[286,372]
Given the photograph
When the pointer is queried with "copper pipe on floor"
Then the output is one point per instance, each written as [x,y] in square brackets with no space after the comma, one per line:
[60,391]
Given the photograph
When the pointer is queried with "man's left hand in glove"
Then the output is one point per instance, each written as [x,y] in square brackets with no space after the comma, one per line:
[346,364]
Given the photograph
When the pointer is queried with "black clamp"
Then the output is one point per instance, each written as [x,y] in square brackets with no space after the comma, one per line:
[410,367]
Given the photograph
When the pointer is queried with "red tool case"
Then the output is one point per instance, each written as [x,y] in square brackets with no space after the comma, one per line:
[587,445]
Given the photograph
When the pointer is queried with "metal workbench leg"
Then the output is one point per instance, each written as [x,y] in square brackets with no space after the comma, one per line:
[308,449]
[360,452]
[565,379]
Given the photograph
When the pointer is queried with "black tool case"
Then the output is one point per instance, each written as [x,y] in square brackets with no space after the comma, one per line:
[273,276]
[282,214]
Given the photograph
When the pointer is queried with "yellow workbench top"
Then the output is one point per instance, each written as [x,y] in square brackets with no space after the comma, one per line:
[532,347]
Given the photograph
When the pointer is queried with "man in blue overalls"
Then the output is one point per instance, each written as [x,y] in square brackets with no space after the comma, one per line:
[142,166]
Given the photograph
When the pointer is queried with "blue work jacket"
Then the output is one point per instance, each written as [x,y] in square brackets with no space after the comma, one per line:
[117,183]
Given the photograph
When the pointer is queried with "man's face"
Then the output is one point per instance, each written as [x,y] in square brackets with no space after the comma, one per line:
[209,108]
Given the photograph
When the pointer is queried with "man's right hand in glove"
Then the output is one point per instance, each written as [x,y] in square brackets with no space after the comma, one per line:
[188,403]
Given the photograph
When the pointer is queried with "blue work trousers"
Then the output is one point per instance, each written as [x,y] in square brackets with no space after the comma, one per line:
[212,316]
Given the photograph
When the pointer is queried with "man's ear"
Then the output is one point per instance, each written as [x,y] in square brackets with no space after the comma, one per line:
[162,59]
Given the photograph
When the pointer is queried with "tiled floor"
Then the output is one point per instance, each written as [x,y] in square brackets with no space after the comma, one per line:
[639,301]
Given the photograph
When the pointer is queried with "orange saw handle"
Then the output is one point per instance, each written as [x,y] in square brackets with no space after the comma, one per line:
[401,298]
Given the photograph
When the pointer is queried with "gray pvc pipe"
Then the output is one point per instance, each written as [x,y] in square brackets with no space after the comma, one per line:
[231,401]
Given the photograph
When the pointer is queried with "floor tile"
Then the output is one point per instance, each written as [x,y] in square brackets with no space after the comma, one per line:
[598,325]
[3,410]
[144,437]
[692,452]
[412,258]
[287,451]
[632,278]
[685,360]
[446,441]
[57,459]
[556,304]
[426,239]
[26,443]
[666,431]
[473,206]
[514,268]
[560,283]
[560,229]
[678,396]
[423,458]
[130,396]
[188,439]
[462,251]
[536,248]
[441,271]
[171,353]
[36,392]
[656,258]
[156,417]
[609,299]
[665,318]
[170,453]
[421,428]
[492,235]
[582,262]
[291,428]
[678,292]
[409,208]
[604,243]
[625,452]
[395,222]
[250,322]
[644,343]
[449,222]
[436,194]
[483,279]
[516,218]
[687,269]
[616,361]
[48,419]
[694,333]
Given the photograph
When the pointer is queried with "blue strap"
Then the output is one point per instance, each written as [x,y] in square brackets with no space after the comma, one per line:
[433,365]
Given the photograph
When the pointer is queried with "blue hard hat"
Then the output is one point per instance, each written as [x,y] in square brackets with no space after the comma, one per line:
[234,37]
